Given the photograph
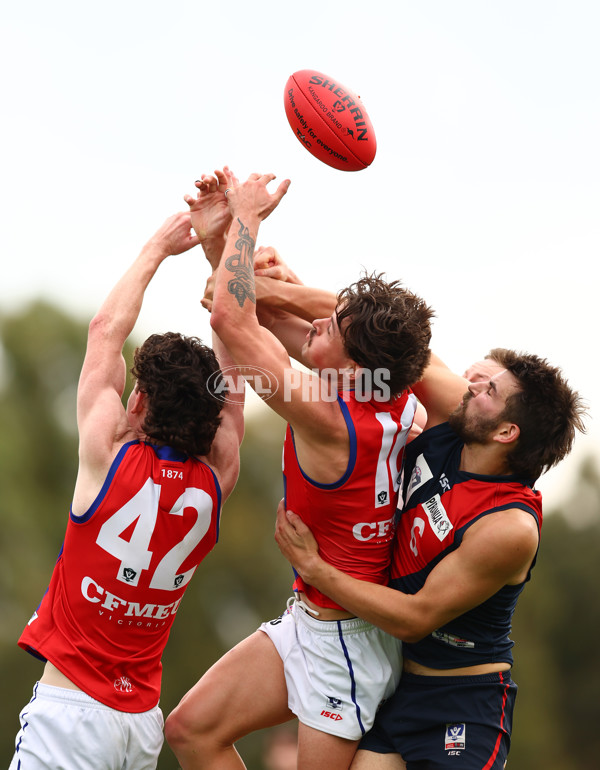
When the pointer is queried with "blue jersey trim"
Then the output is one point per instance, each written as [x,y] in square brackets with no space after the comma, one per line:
[352,456]
[219,496]
[163,452]
[32,651]
[168,454]
[107,482]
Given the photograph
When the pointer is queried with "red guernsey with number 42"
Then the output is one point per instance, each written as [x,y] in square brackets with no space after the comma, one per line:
[108,611]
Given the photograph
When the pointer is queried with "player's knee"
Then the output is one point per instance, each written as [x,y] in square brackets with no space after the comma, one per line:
[181,731]
[191,723]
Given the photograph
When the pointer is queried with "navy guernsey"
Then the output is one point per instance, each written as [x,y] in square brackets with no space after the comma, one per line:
[441,503]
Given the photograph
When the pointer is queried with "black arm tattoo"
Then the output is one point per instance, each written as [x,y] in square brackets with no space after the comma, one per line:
[242,266]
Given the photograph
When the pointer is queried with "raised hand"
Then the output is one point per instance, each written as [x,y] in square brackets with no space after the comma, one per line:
[210,214]
[252,198]
[175,236]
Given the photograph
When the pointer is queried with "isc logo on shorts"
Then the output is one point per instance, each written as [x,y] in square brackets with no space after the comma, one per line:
[455,736]
[331,715]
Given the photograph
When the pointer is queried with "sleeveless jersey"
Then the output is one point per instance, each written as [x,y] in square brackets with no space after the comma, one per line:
[122,572]
[441,503]
[353,518]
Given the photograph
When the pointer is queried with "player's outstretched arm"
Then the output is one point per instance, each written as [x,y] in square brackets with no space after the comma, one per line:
[233,304]
[234,300]
[224,455]
[235,320]
[306,302]
[101,417]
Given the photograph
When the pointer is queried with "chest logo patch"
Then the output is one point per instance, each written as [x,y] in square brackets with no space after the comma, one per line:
[437,517]
[420,475]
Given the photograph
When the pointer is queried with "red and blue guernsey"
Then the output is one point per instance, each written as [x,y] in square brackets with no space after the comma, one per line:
[441,503]
[353,518]
[122,572]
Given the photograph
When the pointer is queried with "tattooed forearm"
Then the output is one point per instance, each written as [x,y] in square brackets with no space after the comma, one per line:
[242,267]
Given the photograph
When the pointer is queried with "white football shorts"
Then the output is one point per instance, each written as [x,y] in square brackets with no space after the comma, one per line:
[63,729]
[337,672]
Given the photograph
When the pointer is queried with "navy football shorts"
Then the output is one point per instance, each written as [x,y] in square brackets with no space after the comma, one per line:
[443,722]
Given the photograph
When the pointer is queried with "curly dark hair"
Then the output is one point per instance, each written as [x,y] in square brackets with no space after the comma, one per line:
[388,327]
[546,409]
[173,370]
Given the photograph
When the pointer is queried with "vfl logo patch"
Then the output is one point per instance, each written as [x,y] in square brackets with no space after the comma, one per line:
[334,706]
[382,498]
[129,574]
[455,736]
[438,518]
[421,475]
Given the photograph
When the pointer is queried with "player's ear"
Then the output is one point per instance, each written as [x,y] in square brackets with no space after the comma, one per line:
[507,432]
[139,401]
[351,372]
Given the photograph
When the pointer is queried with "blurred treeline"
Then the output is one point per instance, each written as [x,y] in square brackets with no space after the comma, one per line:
[245,579]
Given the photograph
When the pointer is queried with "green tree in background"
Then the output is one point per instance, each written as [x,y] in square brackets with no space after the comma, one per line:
[245,580]
[42,352]
[556,628]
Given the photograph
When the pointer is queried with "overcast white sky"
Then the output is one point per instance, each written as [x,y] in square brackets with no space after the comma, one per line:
[483,197]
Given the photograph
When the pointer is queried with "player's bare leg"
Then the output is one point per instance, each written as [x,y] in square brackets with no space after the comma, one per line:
[321,751]
[244,691]
[370,760]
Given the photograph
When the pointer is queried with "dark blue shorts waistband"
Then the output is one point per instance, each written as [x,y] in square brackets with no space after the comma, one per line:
[419,679]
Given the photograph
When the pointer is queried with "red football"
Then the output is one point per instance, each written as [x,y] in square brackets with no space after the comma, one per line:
[329,120]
